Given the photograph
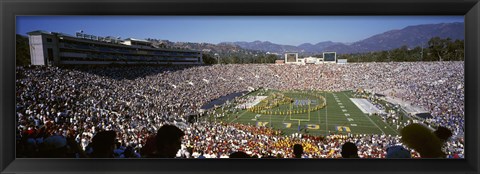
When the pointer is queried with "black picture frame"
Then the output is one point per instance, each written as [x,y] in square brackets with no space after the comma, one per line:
[9,9]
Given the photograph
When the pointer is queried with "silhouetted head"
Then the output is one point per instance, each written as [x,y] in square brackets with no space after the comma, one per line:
[168,141]
[443,133]
[103,144]
[398,152]
[239,154]
[54,147]
[129,152]
[349,150]
[150,147]
[298,150]
[422,140]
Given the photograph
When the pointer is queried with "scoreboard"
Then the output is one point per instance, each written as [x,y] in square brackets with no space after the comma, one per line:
[330,56]
[291,57]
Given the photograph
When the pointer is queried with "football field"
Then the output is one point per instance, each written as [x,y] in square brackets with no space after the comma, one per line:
[306,112]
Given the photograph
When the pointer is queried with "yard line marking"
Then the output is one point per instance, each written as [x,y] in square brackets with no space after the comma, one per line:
[239,116]
[392,128]
[284,118]
[326,114]
[319,122]
[369,118]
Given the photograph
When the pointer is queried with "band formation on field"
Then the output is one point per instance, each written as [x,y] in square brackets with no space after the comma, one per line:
[306,112]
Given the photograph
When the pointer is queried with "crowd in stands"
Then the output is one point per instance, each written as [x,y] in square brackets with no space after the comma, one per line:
[60,107]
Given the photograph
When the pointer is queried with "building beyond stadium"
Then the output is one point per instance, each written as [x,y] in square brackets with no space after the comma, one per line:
[51,48]
[328,57]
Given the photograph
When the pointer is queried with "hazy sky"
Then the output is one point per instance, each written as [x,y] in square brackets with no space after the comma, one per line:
[292,30]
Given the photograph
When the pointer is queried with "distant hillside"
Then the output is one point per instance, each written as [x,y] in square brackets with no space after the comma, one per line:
[221,49]
[223,52]
[266,46]
[410,36]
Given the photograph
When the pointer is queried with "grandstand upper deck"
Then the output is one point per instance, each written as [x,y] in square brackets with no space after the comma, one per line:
[51,48]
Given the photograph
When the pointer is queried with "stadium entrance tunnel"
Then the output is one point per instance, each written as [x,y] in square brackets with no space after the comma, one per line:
[222,100]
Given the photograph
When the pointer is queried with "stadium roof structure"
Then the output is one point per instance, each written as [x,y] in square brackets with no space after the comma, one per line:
[36,32]
[138,40]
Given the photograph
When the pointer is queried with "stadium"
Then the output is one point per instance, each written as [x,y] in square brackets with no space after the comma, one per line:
[260,109]
[53,48]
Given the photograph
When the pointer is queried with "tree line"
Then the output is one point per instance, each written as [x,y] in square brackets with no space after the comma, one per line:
[437,49]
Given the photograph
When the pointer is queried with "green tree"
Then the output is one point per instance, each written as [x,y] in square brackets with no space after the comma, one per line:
[22,51]
[438,47]
[271,58]
[208,59]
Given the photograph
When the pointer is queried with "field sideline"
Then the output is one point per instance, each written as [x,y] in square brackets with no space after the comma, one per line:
[340,115]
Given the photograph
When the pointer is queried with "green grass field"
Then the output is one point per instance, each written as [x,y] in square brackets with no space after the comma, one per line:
[340,115]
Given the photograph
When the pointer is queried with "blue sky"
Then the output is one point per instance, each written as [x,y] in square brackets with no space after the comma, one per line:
[289,30]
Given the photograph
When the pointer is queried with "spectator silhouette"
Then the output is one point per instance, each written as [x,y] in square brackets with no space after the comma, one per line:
[239,154]
[298,150]
[168,141]
[443,133]
[349,150]
[54,147]
[201,155]
[74,149]
[129,153]
[422,140]
[103,144]
[398,152]
[150,147]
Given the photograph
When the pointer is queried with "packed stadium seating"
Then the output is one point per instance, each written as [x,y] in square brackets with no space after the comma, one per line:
[135,101]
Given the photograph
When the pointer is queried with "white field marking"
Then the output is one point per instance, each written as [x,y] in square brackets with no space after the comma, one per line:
[249,105]
[365,106]
[340,103]
[326,114]
[284,118]
[239,116]
[392,128]
[342,107]
[350,119]
[353,124]
[347,115]
[319,121]
[344,110]
[369,119]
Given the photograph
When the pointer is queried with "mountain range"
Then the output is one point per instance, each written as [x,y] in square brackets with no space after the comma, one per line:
[410,36]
